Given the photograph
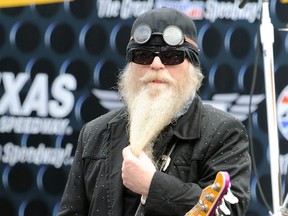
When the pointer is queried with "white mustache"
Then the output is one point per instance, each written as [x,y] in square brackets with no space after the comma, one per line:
[161,76]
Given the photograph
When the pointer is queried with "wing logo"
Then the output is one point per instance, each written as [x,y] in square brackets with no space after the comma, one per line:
[109,99]
[233,103]
[282,112]
[236,104]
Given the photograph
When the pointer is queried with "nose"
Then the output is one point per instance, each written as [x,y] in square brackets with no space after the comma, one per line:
[157,63]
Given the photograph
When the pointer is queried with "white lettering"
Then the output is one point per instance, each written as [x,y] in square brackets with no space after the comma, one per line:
[13,154]
[64,98]
[34,125]
[131,8]
[37,97]
[230,10]
[126,9]
[214,9]
[108,8]
[10,101]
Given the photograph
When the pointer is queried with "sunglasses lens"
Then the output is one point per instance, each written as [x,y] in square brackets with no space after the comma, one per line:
[168,57]
[142,34]
[143,57]
[173,35]
[172,57]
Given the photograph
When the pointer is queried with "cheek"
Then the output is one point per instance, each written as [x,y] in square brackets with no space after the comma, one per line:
[138,71]
[179,74]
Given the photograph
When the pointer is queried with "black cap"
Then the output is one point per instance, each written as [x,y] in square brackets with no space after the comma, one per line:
[160,18]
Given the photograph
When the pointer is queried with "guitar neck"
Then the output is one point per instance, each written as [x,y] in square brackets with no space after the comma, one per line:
[211,196]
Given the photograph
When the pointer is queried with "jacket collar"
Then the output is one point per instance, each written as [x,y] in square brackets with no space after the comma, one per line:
[187,126]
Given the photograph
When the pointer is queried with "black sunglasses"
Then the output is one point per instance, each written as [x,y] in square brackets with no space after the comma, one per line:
[168,57]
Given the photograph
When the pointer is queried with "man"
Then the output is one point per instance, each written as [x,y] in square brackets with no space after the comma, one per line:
[164,146]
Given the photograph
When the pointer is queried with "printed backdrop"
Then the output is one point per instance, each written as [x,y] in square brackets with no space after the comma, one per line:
[58,68]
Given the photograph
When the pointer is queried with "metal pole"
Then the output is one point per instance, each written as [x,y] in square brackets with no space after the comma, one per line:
[267,40]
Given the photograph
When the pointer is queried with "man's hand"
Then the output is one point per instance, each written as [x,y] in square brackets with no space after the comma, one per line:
[137,172]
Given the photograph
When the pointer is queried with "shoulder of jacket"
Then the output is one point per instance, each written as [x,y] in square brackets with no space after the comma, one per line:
[92,132]
[214,116]
[100,123]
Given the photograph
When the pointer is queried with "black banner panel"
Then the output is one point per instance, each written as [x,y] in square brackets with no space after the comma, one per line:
[59,63]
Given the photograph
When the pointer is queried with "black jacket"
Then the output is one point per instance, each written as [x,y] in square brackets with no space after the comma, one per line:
[208,141]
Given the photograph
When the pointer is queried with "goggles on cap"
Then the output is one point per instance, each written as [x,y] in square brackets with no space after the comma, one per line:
[172,35]
[167,57]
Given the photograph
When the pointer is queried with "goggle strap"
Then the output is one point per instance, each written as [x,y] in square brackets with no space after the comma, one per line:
[190,41]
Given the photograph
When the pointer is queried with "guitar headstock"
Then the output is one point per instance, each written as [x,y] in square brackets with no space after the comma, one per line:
[211,196]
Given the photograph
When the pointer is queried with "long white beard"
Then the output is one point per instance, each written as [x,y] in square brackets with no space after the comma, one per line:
[152,106]
[148,116]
